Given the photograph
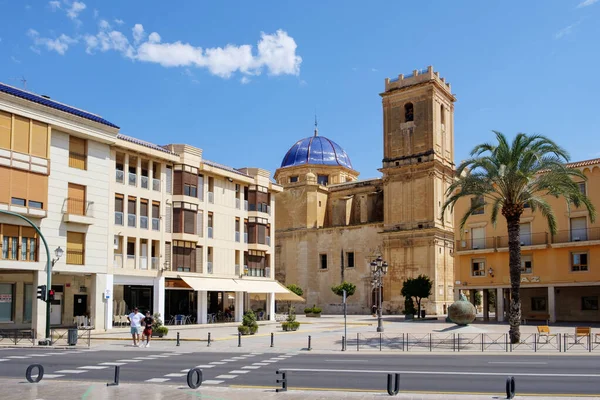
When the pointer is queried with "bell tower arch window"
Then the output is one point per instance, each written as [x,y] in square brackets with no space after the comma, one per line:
[408,112]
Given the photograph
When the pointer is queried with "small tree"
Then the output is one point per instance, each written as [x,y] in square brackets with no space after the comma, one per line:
[419,288]
[409,306]
[295,289]
[478,299]
[249,324]
[350,288]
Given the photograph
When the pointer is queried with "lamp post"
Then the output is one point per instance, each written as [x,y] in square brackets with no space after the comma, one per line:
[379,269]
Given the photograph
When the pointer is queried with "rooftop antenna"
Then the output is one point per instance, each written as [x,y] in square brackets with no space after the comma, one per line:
[316,124]
[24,82]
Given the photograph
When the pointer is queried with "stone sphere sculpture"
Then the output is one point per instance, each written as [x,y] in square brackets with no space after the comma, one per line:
[462,312]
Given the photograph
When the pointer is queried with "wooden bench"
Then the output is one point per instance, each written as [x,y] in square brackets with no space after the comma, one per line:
[581,332]
[544,331]
[536,317]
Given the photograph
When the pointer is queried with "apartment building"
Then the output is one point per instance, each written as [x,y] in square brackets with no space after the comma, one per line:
[54,171]
[560,273]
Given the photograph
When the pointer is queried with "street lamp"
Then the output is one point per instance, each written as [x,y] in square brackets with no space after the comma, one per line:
[379,269]
[58,252]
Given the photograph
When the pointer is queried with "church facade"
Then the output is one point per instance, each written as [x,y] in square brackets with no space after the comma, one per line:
[330,225]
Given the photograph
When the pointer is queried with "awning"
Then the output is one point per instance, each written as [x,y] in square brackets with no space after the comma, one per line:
[213,284]
[256,286]
[281,296]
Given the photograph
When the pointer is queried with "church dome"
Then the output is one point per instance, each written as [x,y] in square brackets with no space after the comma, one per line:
[316,150]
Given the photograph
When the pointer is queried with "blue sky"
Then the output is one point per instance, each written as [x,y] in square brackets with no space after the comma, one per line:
[242,80]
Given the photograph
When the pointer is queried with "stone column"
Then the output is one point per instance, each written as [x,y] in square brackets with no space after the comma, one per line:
[150,177]
[202,314]
[239,306]
[126,169]
[138,250]
[551,304]
[109,302]
[486,308]
[159,296]
[38,307]
[500,304]
[97,303]
[271,306]
[138,172]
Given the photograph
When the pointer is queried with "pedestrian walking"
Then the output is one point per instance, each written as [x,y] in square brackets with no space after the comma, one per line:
[148,321]
[135,320]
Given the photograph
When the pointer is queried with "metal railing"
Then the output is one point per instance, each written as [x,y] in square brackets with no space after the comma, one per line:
[143,222]
[130,261]
[527,239]
[75,257]
[237,236]
[237,203]
[154,262]
[78,207]
[118,218]
[156,184]
[16,336]
[119,176]
[131,220]
[245,238]
[209,267]
[132,179]
[144,181]
[210,232]
[576,235]
[268,240]
[143,262]
[476,244]
[245,205]
[118,261]
[211,197]
[156,224]
[60,336]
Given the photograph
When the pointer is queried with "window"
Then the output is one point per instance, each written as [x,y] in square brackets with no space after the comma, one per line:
[581,186]
[190,190]
[36,204]
[323,180]
[477,238]
[526,263]
[293,179]
[323,258]
[210,225]
[478,267]
[118,209]
[442,114]
[189,221]
[478,201]
[76,199]
[538,304]
[15,201]
[350,259]
[7,291]
[578,229]
[201,187]
[77,153]
[525,233]
[579,261]
[408,112]
[589,303]
[75,248]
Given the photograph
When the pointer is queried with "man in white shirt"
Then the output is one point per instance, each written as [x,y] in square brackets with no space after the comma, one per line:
[135,319]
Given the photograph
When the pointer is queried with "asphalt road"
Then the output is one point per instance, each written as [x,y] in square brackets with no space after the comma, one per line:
[468,373]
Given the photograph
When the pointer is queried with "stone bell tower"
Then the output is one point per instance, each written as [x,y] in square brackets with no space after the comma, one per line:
[418,167]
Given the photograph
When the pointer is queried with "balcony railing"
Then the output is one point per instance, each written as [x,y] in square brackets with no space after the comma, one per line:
[75,257]
[576,235]
[118,218]
[476,244]
[527,239]
[211,197]
[119,176]
[78,206]
[210,232]
[237,203]
[131,220]
[237,236]
[144,222]
[245,205]
[154,262]
[156,224]
[130,261]
[209,267]
[245,238]
[144,182]
[143,262]
[237,270]
[268,240]
[132,179]
[156,184]
[118,261]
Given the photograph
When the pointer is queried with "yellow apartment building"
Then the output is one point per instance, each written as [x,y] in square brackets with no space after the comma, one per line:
[560,274]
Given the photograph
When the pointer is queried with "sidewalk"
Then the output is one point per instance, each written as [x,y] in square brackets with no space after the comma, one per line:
[19,389]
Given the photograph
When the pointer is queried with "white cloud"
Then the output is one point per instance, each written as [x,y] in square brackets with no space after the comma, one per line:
[586,3]
[119,21]
[54,5]
[14,59]
[76,8]
[245,80]
[60,44]
[154,38]
[103,24]
[566,30]
[109,40]
[138,33]
[278,53]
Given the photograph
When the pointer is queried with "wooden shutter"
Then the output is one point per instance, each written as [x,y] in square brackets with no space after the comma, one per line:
[38,189]
[189,221]
[131,205]
[77,152]
[119,203]
[39,139]
[199,259]
[168,252]
[155,209]
[144,207]
[178,182]
[169,176]
[76,200]
[75,248]
[261,233]
[4,183]
[168,218]
[177,220]
[5,129]
[18,184]
[21,135]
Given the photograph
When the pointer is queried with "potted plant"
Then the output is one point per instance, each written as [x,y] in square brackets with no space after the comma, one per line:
[313,312]
[249,325]
[158,329]
[409,308]
[290,324]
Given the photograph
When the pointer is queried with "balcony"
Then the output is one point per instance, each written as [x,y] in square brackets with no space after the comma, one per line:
[75,257]
[245,237]
[476,244]
[118,218]
[156,224]
[143,262]
[260,207]
[131,220]
[237,203]
[237,270]
[576,235]
[130,261]
[144,222]
[211,197]
[237,236]
[156,184]
[132,179]
[78,211]
[119,176]
[210,232]
[144,182]
[118,261]
[528,239]
[154,263]
[26,211]
[209,267]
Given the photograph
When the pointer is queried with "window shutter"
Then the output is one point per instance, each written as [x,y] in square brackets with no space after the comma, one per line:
[75,248]
[177,220]
[200,224]
[168,252]
[144,208]
[168,218]
[77,152]
[199,259]
[119,204]
[131,206]
[155,209]
[5,129]
[189,221]
[76,200]
[39,139]
[21,135]
[169,175]
[201,187]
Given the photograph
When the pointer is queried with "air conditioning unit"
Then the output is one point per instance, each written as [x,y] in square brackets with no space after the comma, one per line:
[576,239]
[475,247]
[463,244]
[522,243]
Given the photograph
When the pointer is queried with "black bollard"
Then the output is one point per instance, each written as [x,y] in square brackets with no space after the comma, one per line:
[272,339]
[208,340]
[309,348]
[28,373]
[239,339]
[510,387]
[177,338]
[116,381]
[343,343]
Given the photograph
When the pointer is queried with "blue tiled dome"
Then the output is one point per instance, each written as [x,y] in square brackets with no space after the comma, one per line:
[316,150]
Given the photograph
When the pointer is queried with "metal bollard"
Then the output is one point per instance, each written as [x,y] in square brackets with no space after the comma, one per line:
[272,339]
[357,342]
[177,338]
[343,343]
[309,347]
[208,345]
[393,384]
[239,339]
[116,381]
[30,369]
[283,381]
[510,387]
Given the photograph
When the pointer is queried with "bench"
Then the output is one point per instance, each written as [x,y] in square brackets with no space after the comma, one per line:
[581,332]
[544,331]
[536,317]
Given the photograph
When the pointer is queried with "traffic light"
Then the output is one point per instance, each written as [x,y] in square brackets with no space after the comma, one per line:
[41,292]
[51,295]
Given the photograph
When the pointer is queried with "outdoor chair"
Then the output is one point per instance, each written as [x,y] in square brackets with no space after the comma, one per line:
[581,332]
[544,332]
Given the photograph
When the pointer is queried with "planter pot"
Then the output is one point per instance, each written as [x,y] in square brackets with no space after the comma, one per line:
[311,315]
[158,335]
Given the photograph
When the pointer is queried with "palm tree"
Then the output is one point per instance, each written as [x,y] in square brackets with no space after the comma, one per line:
[509,176]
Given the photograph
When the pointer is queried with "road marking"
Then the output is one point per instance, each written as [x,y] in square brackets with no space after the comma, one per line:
[517,362]
[228,360]
[3,359]
[129,360]
[226,376]
[238,358]
[71,371]
[140,358]
[55,354]
[277,358]
[38,355]
[160,356]
[217,363]
[257,354]
[177,375]
[158,380]
[51,376]
[205,366]
[17,357]
[285,356]
[211,382]
[238,371]
[92,367]
[250,367]
[269,361]
[343,361]
[262,364]
[112,363]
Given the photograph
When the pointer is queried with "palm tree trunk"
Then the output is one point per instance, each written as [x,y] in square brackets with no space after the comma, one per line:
[514,251]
